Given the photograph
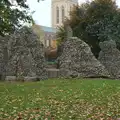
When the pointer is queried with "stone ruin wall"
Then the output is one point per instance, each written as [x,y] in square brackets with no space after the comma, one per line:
[22,57]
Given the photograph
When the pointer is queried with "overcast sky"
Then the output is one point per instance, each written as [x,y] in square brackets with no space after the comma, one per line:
[42,15]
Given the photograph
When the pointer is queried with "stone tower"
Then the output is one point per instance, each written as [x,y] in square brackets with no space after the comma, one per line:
[60,10]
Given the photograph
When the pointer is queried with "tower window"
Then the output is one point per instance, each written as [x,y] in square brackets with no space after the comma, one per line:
[63,13]
[57,14]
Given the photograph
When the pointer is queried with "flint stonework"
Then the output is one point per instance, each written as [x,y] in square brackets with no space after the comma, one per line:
[3,57]
[77,60]
[23,55]
[110,57]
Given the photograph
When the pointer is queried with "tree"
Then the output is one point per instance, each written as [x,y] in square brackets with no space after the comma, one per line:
[13,15]
[61,34]
[88,22]
[107,29]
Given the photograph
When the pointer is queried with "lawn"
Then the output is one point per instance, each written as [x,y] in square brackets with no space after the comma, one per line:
[60,99]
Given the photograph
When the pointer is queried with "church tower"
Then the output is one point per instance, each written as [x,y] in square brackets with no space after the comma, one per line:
[60,10]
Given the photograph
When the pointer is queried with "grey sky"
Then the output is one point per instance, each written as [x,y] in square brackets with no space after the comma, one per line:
[42,15]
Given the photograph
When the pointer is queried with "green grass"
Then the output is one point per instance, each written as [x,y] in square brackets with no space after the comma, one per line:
[51,62]
[60,100]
